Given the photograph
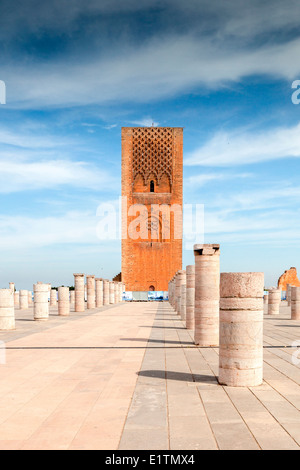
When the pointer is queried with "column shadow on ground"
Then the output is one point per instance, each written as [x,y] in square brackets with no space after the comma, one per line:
[161,341]
[178,376]
[164,327]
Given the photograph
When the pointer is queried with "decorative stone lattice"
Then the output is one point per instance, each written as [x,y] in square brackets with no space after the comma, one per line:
[152,153]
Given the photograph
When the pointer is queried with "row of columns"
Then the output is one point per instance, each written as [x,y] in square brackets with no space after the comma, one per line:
[224,310]
[99,292]
[273,300]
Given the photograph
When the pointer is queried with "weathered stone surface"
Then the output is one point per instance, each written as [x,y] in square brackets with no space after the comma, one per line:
[7,311]
[207,294]
[105,292]
[91,291]
[241,329]
[295,303]
[41,306]
[288,277]
[274,301]
[63,301]
[190,296]
[53,298]
[99,292]
[79,292]
[23,299]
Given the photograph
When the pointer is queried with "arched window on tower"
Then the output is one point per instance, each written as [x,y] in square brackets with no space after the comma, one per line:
[151,186]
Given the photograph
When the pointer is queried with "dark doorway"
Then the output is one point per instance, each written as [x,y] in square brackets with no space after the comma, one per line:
[151,186]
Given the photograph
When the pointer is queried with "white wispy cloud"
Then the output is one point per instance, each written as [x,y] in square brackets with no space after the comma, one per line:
[16,176]
[235,148]
[73,227]
[201,179]
[181,64]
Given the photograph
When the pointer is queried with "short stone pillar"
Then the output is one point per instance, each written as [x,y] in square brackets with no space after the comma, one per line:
[79,292]
[180,279]
[183,297]
[63,301]
[172,292]
[190,296]
[207,294]
[29,298]
[266,299]
[91,294]
[105,292]
[177,292]
[41,306]
[120,291]
[23,299]
[241,329]
[111,292]
[72,298]
[12,286]
[17,299]
[288,293]
[53,298]
[7,309]
[99,292]
[116,290]
[274,301]
[295,303]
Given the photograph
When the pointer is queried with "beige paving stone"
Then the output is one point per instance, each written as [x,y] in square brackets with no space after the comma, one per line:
[126,377]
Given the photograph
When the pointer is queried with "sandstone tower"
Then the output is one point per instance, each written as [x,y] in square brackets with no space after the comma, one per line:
[151,176]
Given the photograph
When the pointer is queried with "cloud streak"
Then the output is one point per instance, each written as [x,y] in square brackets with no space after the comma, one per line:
[242,148]
[182,63]
[16,176]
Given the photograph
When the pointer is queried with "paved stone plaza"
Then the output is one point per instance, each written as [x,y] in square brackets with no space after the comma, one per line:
[128,376]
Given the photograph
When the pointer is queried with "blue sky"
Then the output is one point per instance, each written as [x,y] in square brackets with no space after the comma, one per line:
[76,72]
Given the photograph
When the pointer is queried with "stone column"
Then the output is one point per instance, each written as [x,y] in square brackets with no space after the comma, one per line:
[41,306]
[99,292]
[190,296]
[180,279]
[91,295]
[12,286]
[266,299]
[63,301]
[177,291]
[173,284]
[29,297]
[105,292]
[295,303]
[288,294]
[79,292]
[274,301]
[53,298]
[241,329]
[183,297]
[7,309]
[23,299]
[207,294]
[120,291]
[111,292]
[72,298]
[116,289]
[17,299]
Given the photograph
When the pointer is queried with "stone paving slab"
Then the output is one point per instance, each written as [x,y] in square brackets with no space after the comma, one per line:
[128,377]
